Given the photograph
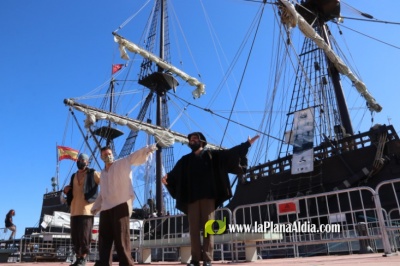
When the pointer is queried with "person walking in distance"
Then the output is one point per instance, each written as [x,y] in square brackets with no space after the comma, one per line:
[84,188]
[115,204]
[9,223]
[200,183]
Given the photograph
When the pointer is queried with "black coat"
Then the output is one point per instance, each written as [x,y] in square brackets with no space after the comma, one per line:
[232,161]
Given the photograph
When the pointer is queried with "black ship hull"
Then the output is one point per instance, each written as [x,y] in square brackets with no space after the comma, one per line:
[351,162]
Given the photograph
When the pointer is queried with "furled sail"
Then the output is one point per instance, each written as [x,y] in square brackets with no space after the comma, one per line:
[293,18]
[163,136]
[125,44]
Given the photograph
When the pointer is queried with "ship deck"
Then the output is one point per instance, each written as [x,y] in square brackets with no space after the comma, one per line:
[355,259]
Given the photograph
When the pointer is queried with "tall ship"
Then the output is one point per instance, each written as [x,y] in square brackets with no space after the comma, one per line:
[282,73]
[308,141]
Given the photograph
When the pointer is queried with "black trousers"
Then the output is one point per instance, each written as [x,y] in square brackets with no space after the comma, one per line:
[81,233]
[114,228]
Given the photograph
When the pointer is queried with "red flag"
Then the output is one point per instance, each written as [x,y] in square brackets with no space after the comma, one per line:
[116,68]
[67,153]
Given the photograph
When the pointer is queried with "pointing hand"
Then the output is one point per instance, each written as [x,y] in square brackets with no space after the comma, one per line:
[164,180]
[253,139]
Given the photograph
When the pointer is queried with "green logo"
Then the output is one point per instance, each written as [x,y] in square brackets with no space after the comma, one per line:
[208,227]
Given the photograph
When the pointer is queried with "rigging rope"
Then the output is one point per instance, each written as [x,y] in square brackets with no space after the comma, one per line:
[375,39]
[376,21]
[308,31]
[131,17]
[235,59]
[223,117]
[243,74]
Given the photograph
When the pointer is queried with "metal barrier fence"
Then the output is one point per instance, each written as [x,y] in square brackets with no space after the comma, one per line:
[169,236]
[299,226]
[363,219]
[303,221]
[46,247]
[389,192]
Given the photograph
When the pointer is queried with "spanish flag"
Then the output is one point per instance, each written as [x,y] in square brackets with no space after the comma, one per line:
[67,153]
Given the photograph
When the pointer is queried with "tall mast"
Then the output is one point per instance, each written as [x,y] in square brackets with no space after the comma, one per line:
[323,82]
[158,75]
[335,78]
[108,141]
[159,82]
[159,202]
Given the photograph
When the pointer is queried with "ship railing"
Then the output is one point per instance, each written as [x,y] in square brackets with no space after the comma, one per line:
[326,149]
[9,248]
[354,213]
[4,233]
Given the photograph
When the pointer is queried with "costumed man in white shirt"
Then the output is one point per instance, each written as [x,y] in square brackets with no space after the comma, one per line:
[115,204]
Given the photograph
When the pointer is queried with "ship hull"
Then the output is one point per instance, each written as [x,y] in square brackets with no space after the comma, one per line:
[346,164]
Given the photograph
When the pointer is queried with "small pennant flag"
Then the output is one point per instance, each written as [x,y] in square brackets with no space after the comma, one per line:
[67,153]
[116,68]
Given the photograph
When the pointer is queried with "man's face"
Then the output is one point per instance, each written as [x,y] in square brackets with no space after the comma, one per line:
[81,163]
[82,160]
[107,156]
[106,153]
[194,139]
[195,143]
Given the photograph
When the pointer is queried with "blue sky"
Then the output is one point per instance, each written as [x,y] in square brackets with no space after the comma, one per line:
[52,50]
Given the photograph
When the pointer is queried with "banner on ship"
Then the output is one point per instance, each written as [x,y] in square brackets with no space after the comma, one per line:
[302,139]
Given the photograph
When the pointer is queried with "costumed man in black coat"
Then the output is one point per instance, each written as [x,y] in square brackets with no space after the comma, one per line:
[200,183]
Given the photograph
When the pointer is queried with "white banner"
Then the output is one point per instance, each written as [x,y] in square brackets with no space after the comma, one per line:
[302,138]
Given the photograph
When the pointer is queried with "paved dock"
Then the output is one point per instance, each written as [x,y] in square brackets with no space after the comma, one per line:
[362,259]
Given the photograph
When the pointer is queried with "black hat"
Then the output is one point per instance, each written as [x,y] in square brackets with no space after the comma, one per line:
[201,137]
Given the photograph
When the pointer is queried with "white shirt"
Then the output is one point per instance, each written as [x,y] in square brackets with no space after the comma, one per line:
[116,182]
